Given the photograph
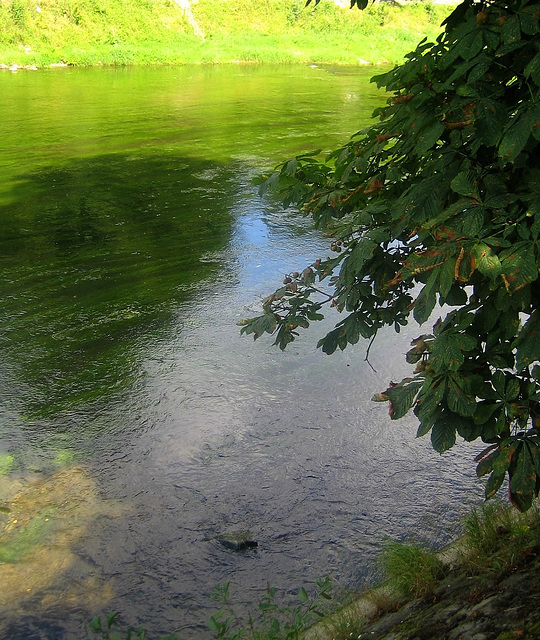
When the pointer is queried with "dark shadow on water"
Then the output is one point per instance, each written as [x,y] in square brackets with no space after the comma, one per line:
[95,255]
[33,628]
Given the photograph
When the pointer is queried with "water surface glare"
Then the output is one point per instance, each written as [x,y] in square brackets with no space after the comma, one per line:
[136,425]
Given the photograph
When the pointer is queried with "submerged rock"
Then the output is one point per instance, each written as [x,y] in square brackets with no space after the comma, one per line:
[238,541]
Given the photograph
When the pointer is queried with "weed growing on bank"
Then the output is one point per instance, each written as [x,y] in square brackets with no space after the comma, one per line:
[411,570]
[498,539]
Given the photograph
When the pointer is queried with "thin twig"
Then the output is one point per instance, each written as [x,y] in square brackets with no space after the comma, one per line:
[366,359]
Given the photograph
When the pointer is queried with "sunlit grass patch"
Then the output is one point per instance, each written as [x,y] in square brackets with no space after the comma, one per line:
[116,32]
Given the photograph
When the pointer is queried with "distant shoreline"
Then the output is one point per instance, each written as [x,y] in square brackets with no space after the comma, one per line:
[211,32]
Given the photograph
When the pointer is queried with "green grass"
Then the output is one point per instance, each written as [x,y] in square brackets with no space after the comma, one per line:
[411,570]
[118,32]
[498,539]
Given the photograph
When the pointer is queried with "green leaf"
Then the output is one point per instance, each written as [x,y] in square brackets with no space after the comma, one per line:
[479,70]
[518,134]
[426,300]
[428,137]
[487,262]
[485,319]
[213,623]
[503,459]
[465,183]
[302,595]
[471,222]
[511,30]
[499,382]
[330,342]
[532,69]
[447,350]
[457,296]
[466,427]
[470,46]
[485,410]
[519,268]
[523,479]
[354,262]
[535,455]
[95,624]
[424,428]
[459,401]
[257,326]
[528,19]
[425,303]
[402,397]
[490,121]
[443,435]
[111,618]
[528,342]
[485,465]
[446,278]
[512,390]
[429,400]
[355,326]
[494,484]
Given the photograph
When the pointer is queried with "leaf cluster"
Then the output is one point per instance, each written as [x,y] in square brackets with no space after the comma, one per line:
[274,621]
[436,206]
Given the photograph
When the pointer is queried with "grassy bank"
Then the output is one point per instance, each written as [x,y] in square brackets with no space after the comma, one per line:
[485,585]
[119,32]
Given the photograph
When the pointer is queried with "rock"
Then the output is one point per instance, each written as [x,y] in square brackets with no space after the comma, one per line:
[238,541]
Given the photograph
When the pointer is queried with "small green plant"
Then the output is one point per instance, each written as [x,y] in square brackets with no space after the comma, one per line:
[412,570]
[105,629]
[274,622]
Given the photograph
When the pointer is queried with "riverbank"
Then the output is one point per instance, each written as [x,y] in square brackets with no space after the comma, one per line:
[485,586]
[462,607]
[117,32]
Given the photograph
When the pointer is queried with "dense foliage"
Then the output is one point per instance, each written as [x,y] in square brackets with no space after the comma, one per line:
[438,203]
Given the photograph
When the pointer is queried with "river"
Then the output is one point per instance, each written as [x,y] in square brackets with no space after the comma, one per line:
[136,425]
